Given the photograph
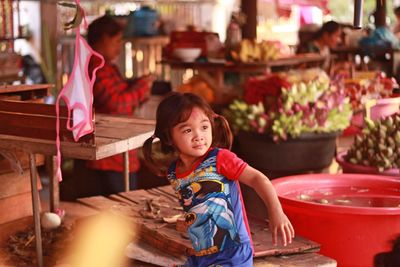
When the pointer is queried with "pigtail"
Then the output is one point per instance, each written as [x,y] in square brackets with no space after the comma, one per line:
[147,150]
[223,136]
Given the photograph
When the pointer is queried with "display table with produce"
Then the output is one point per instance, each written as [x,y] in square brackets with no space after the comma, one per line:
[214,70]
[287,123]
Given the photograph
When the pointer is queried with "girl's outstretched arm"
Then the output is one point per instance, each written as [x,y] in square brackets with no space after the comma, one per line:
[278,221]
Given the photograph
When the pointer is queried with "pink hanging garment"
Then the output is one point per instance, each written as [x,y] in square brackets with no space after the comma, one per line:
[78,93]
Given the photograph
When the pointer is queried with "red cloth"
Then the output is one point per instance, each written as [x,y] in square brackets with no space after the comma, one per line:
[112,94]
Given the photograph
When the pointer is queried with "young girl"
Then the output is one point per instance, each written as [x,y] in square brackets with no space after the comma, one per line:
[206,178]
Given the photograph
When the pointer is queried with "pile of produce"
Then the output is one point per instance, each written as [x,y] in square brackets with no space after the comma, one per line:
[363,89]
[252,51]
[379,145]
[285,105]
[197,85]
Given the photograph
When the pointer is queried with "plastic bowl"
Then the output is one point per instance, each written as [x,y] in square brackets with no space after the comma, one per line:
[383,108]
[348,167]
[187,54]
[349,233]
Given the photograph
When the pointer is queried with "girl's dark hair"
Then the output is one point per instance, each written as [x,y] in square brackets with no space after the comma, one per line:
[176,108]
[329,27]
[391,258]
[101,26]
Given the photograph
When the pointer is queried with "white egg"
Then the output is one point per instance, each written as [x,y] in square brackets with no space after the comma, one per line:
[50,220]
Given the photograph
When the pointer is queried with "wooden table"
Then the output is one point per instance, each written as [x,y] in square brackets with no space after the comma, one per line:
[213,70]
[25,91]
[114,135]
[164,244]
[388,57]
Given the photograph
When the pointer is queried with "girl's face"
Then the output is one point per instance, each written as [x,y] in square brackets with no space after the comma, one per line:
[111,46]
[193,137]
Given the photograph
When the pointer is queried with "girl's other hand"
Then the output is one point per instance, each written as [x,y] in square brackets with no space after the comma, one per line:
[279,224]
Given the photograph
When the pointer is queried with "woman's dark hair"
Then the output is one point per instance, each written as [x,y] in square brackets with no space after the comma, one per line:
[329,27]
[101,26]
[396,11]
[174,109]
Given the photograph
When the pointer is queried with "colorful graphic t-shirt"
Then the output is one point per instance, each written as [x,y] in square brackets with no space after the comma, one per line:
[211,197]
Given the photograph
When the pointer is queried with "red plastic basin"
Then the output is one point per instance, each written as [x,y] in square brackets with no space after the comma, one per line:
[350,232]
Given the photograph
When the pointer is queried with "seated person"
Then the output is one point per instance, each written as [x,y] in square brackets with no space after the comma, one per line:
[322,41]
[327,37]
[396,27]
[113,95]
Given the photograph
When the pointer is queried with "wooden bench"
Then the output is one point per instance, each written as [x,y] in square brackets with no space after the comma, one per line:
[31,127]
[36,120]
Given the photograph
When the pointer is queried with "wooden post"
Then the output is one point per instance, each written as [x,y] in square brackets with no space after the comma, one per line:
[249,29]
[380,13]
[53,183]
[126,170]
[49,37]
[35,208]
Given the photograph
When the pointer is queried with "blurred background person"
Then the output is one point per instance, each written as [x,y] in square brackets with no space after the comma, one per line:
[322,41]
[112,94]
[326,38]
[396,27]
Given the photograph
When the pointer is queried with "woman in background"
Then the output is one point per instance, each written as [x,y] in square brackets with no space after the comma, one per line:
[326,38]
[113,94]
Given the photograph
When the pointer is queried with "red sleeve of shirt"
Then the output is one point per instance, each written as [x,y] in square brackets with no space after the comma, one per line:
[114,95]
[229,165]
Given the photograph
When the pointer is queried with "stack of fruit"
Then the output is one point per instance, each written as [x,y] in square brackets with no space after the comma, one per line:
[362,90]
[197,85]
[252,51]
[379,145]
[285,109]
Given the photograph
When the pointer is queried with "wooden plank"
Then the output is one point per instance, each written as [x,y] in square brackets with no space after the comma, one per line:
[122,131]
[24,87]
[105,119]
[262,242]
[47,147]
[134,196]
[103,204]
[143,252]
[36,126]
[13,184]
[32,108]
[23,158]
[98,202]
[111,147]
[296,260]
[15,207]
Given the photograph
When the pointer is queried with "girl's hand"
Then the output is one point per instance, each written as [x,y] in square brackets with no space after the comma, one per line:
[280,224]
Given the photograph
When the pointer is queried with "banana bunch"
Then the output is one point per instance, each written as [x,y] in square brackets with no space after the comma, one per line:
[270,50]
[251,51]
[379,146]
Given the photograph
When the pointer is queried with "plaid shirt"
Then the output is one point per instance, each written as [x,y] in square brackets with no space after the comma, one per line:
[112,94]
